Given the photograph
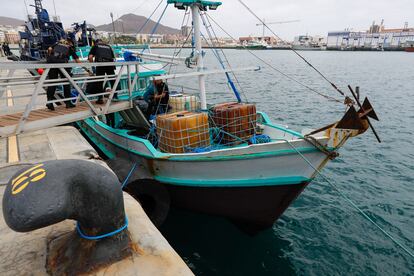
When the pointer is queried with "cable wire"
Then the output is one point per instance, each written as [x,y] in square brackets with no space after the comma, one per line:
[149,18]
[273,67]
[353,204]
[299,55]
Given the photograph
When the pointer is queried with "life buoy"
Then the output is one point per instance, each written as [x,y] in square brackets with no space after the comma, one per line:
[153,197]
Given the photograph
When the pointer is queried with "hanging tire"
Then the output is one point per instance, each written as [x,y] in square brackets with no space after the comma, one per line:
[153,197]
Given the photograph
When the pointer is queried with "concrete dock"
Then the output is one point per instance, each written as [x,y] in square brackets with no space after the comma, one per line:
[26,253]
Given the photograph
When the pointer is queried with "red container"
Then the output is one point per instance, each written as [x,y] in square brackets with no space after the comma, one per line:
[236,120]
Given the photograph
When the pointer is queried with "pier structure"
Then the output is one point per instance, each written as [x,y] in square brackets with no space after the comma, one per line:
[23,95]
[38,140]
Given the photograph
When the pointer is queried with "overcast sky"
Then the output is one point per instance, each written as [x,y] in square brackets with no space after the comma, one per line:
[317,17]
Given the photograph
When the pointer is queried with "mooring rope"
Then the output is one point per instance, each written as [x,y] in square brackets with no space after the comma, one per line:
[107,235]
[353,204]
[125,182]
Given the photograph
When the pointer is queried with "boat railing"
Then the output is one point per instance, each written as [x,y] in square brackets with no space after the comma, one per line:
[24,93]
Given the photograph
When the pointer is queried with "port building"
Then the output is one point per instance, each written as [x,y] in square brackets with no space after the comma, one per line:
[376,38]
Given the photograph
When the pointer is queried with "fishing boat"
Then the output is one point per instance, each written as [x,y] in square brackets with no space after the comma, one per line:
[307,43]
[224,159]
[409,46]
[254,45]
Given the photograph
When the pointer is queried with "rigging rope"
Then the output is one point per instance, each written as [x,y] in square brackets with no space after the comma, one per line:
[220,60]
[353,204]
[156,25]
[173,57]
[225,57]
[229,81]
[148,19]
[299,55]
[274,68]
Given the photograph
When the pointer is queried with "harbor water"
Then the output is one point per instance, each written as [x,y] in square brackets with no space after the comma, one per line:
[320,234]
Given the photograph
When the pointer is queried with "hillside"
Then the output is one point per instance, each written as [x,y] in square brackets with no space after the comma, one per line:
[131,23]
[10,21]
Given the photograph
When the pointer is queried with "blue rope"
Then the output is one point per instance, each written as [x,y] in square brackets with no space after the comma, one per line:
[93,238]
[129,175]
[220,60]
[260,139]
[156,26]
[148,19]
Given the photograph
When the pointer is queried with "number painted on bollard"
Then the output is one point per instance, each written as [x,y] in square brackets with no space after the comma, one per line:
[33,174]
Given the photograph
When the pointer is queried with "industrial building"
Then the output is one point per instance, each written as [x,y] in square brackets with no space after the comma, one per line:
[376,38]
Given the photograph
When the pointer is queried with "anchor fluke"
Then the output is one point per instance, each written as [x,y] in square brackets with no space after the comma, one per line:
[351,120]
[368,110]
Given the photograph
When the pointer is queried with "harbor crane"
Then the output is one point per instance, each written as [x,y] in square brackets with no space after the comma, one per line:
[274,23]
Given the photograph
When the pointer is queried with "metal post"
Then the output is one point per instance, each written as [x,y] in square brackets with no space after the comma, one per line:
[118,79]
[200,63]
[113,26]
[71,81]
[264,26]
[129,85]
[32,102]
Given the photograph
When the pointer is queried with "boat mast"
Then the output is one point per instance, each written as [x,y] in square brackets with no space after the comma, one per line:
[196,6]
[195,11]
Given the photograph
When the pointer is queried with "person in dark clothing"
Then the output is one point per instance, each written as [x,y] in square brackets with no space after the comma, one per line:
[157,96]
[6,49]
[9,53]
[102,52]
[60,53]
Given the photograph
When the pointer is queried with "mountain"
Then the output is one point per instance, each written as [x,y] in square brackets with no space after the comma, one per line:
[10,21]
[131,23]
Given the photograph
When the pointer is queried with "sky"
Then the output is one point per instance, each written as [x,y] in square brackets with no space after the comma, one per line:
[317,17]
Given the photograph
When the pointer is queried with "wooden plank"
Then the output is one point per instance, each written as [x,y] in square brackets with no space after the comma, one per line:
[12,145]
[12,150]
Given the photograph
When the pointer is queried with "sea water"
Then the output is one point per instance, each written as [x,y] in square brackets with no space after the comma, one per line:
[320,233]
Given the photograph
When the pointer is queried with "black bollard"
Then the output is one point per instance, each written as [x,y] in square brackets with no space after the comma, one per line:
[53,191]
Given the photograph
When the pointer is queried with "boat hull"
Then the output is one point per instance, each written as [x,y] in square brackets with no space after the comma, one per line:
[252,186]
[251,208]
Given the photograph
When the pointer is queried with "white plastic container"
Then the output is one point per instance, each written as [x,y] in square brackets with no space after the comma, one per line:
[182,102]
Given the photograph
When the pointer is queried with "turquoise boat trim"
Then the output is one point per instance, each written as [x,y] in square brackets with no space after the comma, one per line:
[194,158]
[294,133]
[268,122]
[149,73]
[265,117]
[277,181]
[191,2]
[108,153]
[124,133]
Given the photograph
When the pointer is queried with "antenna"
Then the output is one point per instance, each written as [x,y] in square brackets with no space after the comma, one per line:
[54,7]
[405,25]
[25,6]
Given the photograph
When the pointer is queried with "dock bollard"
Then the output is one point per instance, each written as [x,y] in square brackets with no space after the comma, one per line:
[50,192]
